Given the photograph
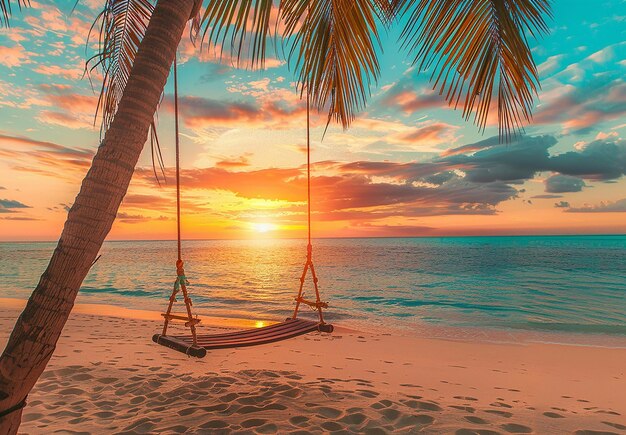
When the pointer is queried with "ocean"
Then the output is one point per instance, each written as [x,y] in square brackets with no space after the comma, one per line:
[572,287]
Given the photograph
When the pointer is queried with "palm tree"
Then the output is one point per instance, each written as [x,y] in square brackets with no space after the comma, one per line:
[477,52]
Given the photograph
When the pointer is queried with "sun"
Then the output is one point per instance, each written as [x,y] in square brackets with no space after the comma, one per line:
[263,227]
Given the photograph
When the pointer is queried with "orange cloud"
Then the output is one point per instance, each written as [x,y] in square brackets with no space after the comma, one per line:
[13,56]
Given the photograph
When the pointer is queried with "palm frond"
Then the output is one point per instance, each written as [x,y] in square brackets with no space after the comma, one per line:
[334,47]
[387,10]
[241,25]
[122,26]
[6,12]
[196,21]
[478,49]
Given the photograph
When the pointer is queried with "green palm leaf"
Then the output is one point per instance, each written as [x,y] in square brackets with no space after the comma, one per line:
[240,25]
[122,26]
[5,10]
[478,49]
[333,43]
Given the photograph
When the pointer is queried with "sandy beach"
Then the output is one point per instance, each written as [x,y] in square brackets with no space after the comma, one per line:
[108,377]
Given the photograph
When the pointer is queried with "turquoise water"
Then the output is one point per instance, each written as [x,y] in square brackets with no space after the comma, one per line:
[567,284]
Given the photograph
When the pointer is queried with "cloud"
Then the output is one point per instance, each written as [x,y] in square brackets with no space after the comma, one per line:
[71,110]
[546,196]
[517,161]
[58,71]
[44,158]
[198,112]
[19,218]
[408,100]
[473,179]
[522,159]
[563,183]
[550,65]
[359,190]
[138,218]
[434,133]
[579,108]
[561,204]
[10,205]
[604,207]
[599,160]
[240,162]
[13,56]
[63,119]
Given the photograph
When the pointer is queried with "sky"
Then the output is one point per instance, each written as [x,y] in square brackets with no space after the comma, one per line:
[408,166]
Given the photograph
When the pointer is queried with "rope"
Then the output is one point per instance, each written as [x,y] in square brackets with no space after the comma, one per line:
[180,280]
[14,408]
[308,152]
[308,163]
[177,159]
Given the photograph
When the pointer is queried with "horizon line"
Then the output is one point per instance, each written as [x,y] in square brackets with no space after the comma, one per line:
[339,238]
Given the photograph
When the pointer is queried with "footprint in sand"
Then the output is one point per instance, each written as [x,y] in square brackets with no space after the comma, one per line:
[390,414]
[268,428]
[71,392]
[552,415]
[354,418]
[176,429]
[516,428]
[327,412]
[272,406]
[501,405]
[331,426]
[253,422]
[298,420]
[381,404]
[463,408]
[593,432]
[368,393]
[414,421]
[615,425]
[32,417]
[500,413]
[476,432]
[426,406]
[473,399]
[475,420]
[602,411]
[214,424]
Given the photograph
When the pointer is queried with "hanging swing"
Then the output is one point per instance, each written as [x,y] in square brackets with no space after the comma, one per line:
[195,344]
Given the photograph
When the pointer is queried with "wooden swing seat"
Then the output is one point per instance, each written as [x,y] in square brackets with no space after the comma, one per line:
[195,344]
[249,337]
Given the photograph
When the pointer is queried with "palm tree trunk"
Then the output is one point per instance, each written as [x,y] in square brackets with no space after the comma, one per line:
[38,328]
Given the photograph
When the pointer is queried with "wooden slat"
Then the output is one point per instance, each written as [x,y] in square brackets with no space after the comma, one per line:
[268,334]
[259,333]
[177,317]
[313,304]
[247,331]
[255,332]
[258,341]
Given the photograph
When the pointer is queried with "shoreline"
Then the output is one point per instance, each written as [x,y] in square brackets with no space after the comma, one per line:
[350,380]
[424,331]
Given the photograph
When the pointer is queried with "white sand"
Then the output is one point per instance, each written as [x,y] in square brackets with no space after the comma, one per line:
[107,377]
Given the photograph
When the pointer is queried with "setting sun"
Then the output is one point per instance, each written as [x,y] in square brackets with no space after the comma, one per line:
[263,227]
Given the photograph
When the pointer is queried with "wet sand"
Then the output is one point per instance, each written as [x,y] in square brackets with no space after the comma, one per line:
[108,377]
